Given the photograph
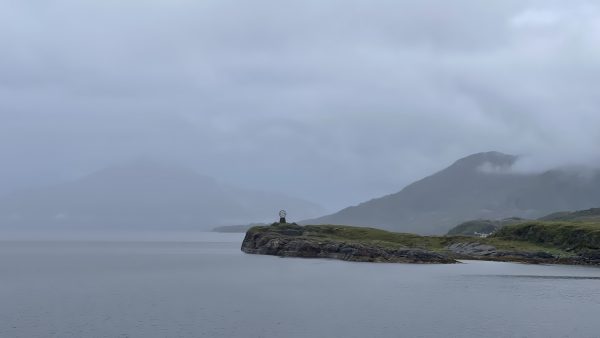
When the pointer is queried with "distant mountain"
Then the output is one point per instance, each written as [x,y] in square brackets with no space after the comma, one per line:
[592,214]
[480,186]
[146,195]
[236,228]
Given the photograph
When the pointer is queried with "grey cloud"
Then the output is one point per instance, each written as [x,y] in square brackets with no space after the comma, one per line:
[334,101]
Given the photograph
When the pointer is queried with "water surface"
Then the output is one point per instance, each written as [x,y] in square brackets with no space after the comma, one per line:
[202,285]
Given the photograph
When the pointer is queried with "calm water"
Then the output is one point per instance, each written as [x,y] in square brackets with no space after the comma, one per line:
[203,286]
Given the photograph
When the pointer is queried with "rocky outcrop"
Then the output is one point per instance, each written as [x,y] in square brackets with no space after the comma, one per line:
[291,242]
[483,251]
[375,245]
[590,257]
[472,249]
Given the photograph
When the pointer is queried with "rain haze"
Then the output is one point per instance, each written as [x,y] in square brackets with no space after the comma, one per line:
[291,169]
[335,102]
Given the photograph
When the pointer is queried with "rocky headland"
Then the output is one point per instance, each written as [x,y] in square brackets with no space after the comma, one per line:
[530,242]
[290,240]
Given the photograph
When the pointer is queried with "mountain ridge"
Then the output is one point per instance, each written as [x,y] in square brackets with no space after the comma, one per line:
[145,195]
[478,186]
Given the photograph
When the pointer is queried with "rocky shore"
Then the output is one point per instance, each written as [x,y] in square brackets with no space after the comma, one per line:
[374,245]
[292,243]
[478,251]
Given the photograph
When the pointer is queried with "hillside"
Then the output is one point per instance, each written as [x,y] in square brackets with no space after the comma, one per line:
[480,186]
[145,195]
[577,237]
[482,226]
[580,215]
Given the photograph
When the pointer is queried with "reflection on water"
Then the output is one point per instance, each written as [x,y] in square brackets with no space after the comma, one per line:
[204,286]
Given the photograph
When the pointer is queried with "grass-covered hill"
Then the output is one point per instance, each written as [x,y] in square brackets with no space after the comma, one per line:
[531,241]
[482,226]
[574,237]
[581,215]
[486,226]
[480,186]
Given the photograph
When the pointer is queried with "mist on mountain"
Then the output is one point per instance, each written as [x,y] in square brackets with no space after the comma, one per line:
[480,186]
[145,195]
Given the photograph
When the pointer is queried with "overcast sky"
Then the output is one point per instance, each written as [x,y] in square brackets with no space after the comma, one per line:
[333,101]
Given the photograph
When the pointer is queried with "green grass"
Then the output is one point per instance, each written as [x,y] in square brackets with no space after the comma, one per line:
[485,226]
[569,236]
[505,240]
[362,235]
[589,215]
[471,227]
[378,236]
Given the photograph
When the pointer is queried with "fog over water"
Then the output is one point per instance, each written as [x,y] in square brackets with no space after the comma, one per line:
[332,101]
[128,128]
[206,287]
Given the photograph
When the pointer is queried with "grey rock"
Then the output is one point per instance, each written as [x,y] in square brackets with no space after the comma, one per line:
[475,249]
[278,243]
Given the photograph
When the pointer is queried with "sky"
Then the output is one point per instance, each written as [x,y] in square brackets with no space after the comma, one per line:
[333,101]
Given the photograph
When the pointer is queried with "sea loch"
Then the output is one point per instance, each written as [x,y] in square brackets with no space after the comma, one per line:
[204,286]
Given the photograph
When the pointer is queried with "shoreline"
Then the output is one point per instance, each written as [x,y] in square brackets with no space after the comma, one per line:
[360,244]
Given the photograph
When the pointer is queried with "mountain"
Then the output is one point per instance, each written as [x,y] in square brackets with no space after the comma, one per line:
[588,215]
[144,195]
[236,228]
[480,186]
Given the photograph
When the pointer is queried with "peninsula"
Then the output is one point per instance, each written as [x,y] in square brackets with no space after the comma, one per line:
[528,242]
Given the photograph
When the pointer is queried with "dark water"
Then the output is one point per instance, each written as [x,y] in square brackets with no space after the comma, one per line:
[203,286]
